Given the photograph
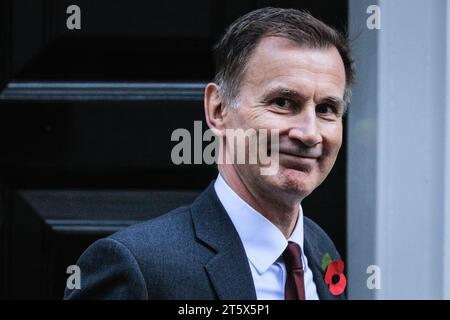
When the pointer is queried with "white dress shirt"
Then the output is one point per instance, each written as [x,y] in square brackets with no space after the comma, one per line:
[264,244]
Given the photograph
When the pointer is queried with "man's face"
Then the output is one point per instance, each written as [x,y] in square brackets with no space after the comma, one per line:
[298,91]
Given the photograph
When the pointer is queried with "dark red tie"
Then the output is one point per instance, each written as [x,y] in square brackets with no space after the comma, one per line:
[295,286]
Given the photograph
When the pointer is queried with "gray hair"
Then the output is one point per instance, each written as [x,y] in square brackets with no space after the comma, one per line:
[234,49]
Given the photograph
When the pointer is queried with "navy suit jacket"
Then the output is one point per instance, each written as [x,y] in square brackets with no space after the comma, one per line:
[192,252]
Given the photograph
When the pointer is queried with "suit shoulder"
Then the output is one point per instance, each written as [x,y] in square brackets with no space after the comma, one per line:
[174,226]
[109,271]
[318,238]
[316,230]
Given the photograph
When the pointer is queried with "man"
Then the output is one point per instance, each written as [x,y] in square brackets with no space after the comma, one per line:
[245,236]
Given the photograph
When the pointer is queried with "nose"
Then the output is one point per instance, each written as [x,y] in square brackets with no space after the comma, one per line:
[306,129]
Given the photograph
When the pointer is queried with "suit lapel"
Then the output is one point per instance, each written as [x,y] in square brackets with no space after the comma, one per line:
[229,270]
[228,279]
[314,256]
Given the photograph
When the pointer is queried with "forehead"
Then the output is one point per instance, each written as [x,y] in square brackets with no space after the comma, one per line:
[280,61]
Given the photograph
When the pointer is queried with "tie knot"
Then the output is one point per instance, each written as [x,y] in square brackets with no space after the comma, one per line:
[292,256]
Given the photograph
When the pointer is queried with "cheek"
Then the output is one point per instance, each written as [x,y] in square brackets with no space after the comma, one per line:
[258,116]
[269,120]
[235,119]
[332,141]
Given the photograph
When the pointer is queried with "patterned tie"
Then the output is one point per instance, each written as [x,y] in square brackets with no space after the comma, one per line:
[295,286]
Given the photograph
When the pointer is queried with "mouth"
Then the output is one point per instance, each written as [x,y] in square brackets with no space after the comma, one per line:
[297,162]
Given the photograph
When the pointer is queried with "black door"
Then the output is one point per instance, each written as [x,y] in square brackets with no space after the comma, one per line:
[86,116]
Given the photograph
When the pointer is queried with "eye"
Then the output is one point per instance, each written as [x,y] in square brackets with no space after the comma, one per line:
[325,108]
[282,102]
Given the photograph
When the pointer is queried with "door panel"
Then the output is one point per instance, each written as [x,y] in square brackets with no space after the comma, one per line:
[86,118]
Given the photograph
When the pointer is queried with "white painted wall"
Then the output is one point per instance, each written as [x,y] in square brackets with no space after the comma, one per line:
[399,150]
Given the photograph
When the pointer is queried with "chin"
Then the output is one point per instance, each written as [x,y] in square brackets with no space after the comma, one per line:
[295,182]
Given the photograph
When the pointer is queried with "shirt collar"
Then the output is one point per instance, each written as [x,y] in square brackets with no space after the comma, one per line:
[263,241]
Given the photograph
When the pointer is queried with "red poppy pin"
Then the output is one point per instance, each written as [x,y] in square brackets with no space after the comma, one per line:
[334,274]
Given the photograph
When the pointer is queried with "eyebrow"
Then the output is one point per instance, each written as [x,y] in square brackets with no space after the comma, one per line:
[298,96]
[284,92]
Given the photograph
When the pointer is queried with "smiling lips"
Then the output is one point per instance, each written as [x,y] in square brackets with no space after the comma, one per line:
[298,161]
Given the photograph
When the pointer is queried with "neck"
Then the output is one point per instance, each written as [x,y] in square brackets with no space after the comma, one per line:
[281,211]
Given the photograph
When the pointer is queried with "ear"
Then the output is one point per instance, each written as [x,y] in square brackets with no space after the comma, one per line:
[215,109]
